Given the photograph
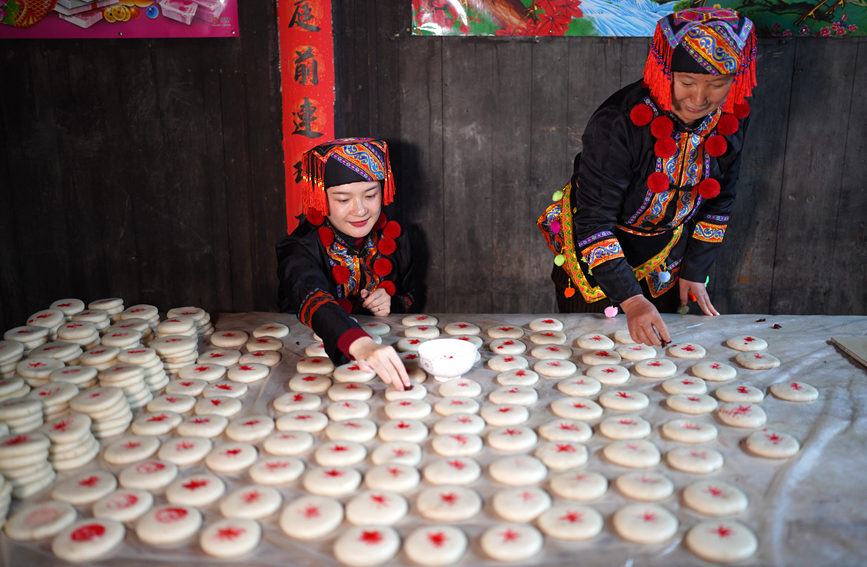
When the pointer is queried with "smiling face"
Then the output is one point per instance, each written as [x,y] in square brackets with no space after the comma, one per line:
[695,95]
[354,208]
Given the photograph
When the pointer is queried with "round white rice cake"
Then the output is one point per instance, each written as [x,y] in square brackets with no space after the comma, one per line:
[583,486]
[746,343]
[609,374]
[594,341]
[757,360]
[686,430]
[714,497]
[721,541]
[632,453]
[739,393]
[511,542]
[571,522]
[696,460]
[794,391]
[311,517]
[644,523]
[772,444]
[646,486]
[742,414]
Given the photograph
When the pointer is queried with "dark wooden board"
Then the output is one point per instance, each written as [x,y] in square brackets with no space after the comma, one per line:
[152,169]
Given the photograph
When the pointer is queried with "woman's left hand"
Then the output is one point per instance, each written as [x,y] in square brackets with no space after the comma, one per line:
[699,292]
[377,302]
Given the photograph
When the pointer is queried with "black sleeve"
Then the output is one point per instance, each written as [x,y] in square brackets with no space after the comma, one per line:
[602,178]
[306,290]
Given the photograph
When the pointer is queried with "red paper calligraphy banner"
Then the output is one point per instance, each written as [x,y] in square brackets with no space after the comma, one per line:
[307,71]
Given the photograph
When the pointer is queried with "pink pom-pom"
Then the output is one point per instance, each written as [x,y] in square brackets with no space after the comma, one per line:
[555,227]
[610,311]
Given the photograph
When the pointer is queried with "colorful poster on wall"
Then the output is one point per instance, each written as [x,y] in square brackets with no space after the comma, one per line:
[621,18]
[58,19]
[307,77]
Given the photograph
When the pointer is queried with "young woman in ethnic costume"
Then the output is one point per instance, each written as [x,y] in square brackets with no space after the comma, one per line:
[645,213]
[346,256]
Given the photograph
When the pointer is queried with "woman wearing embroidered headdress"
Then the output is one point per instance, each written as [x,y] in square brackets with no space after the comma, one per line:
[346,256]
[642,220]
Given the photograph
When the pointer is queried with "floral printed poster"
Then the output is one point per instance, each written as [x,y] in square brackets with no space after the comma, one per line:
[50,19]
[621,18]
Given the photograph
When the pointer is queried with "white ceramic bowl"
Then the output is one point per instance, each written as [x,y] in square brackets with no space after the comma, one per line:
[446,359]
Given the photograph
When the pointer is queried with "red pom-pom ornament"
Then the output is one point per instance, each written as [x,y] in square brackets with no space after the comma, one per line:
[382,267]
[661,127]
[345,304]
[657,182]
[386,245]
[380,222]
[709,188]
[340,274]
[326,236]
[727,125]
[388,286]
[716,145]
[742,110]
[315,217]
[641,114]
[665,148]
[392,229]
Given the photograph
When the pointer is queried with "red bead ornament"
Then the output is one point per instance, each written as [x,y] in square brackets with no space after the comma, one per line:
[340,274]
[665,147]
[716,145]
[392,229]
[641,114]
[315,217]
[345,304]
[709,188]
[661,127]
[386,245]
[389,287]
[742,110]
[657,182]
[380,222]
[727,125]
[326,236]
[382,267]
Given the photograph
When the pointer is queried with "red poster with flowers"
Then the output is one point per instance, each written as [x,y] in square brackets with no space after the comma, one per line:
[307,77]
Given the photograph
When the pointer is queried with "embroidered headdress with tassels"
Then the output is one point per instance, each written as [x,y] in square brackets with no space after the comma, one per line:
[720,40]
[346,160]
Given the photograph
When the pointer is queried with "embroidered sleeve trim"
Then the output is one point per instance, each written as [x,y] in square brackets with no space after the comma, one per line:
[604,235]
[716,219]
[707,232]
[601,252]
[314,300]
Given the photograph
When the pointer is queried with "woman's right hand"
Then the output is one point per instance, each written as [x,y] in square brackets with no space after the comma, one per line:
[644,322]
[382,359]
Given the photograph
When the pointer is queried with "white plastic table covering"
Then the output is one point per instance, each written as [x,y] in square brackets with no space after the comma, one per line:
[807,510]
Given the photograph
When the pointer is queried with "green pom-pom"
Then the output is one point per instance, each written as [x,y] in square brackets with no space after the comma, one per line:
[559,260]
[557,196]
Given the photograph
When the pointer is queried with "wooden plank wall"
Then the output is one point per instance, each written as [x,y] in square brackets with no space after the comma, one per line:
[485,130]
[144,169]
[152,169]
